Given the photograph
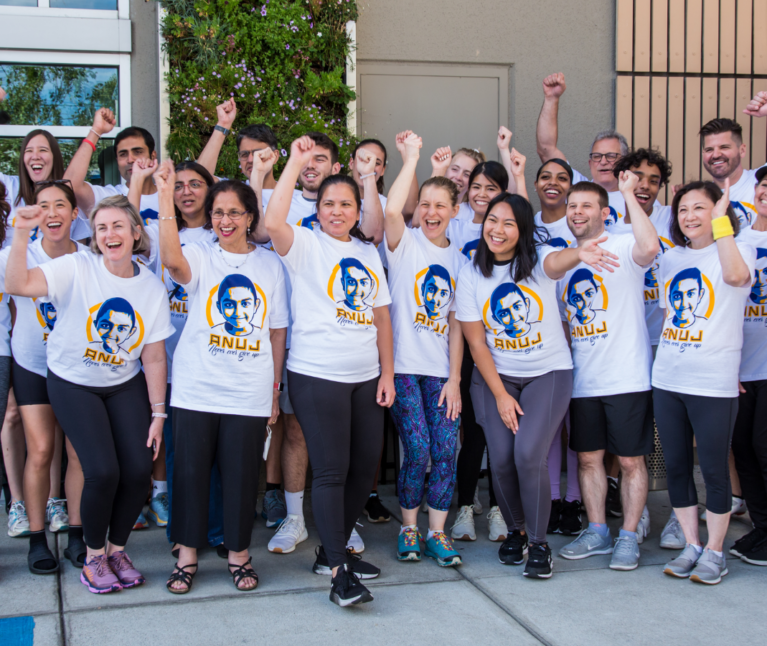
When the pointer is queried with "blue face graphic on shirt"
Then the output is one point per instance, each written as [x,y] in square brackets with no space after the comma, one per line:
[651,275]
[510,307]
[437,292]
[612,218]
[310,222]
[470,248]
[49,314]
[744,215]
[685,294]
[759,288]
[115,323]
[357,284]
[238,303]
[559,243]
[582,290]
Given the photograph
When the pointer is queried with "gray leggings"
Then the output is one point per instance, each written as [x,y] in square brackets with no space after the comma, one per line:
[520,471]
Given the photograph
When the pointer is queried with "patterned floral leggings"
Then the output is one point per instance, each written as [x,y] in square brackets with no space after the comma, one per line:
[425,431]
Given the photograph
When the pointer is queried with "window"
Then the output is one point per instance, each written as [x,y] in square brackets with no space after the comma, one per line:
[68,8]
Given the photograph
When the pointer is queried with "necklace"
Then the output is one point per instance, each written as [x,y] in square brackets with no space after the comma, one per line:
[221,251]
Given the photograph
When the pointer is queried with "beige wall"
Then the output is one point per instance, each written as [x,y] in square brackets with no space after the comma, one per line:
[533,37]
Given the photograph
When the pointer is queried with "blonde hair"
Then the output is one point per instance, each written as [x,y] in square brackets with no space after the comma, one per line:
[473,153]
[121,203]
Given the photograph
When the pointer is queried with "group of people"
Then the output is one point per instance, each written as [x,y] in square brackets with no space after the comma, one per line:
[181,328]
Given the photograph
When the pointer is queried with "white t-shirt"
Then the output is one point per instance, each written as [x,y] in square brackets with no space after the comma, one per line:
[335,286]
[465,235]
[523,328]
[561,236]
[150,204]
[35,318]
[753,361]
[422,281]
[605,311]
[699,350]
[102,321]
[661,218]
[743,199]
[223,362]
[465,212]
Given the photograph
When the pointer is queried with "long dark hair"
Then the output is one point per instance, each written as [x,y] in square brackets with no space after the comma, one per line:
[26,185]
[5,211]
[202,172]
[530,238]
[714,193]
[332,180]
[243,192]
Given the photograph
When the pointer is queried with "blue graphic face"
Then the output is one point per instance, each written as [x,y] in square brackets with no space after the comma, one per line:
[581,292]
[651,275]
[510,308]
[744,215]
[357,284]
[115,323]
[177,293]
[238,303]
[559,243]
[148,214]
[759,288]
[310,222]
[470,248]
[685,295]
[437,292]
[612,218]
[49,314]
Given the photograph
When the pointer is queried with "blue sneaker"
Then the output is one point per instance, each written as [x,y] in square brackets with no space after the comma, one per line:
[409,545]
[141,522]
[440,548]
[158,509]
[274,510]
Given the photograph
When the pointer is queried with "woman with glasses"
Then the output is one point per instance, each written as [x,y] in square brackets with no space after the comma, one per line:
[226,371]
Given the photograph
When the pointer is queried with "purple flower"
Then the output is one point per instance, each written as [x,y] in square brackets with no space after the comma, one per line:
[284,152]
[287,46]
[263,10]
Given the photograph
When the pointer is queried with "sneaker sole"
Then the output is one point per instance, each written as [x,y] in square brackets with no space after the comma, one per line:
[55,529]
[578,557]
[139,527]
[380,519]
[326,570]
[135,584]
[539,575]
[570,532]
[451,562]
[752,561]
[463,537]
[676,575]
[273,523]
[354,549]
[23,532]
[279,550]
[733,551]
[115,588]
[697,579]
[409,556]
[668,545]
[520,562]
[624,568]
[365,597]
[157,520]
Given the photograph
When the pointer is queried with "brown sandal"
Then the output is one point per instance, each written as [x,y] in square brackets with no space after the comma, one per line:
[244,571]
[180,574]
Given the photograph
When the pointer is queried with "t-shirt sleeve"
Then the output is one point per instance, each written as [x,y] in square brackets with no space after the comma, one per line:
[748,252]
[298,254]
[539,273]
[403,248]
[578,177]
[279,313]
[460,263]
[561,286]
[266,195]
[662,271]
[100,192]
[625,254]
[194,256]
[465,297]
[60,274]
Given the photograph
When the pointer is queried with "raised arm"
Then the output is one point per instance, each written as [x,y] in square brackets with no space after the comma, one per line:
[647,243]
[141,169]
[504,142]
[276,217]
[558,263]
[263,162]
[371,221]
[516,172]
[412,199]
[171,255]
[19,280]
[394,222]
[735,271]
[103,123]
[225,114]
[757,107]
[547,131]
[440,161]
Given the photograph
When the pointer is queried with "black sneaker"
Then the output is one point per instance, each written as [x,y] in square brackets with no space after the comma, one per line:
[539,562]
[375,511]
[748,542]
[513,549]
[613,506]
[346,589]
[554,517]
[757,555]
[359,567]
[571,523]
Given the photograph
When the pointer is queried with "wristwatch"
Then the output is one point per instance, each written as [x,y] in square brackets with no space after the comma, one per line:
[221,129]
[278,385]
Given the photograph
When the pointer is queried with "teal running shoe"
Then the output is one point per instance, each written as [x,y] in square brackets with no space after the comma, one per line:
[141,522]
[409,545]
[440,548]
[158,509]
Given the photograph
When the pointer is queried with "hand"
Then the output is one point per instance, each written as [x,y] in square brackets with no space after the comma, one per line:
[275,407]
[29,217]
[365,162]
[741,390]
[385,392]
[143,168]
[504,138]
[517,163]
[399,141]
[509,408]
[3,94]
[226,113]
[104,121]
[451,392]
[756,108]
[675,188]
[164,176]
[592,254]
[412,147]
[627,182]
[301,151]
[155,436]
[554,86]
[440,160]
[720,208]
[263,162]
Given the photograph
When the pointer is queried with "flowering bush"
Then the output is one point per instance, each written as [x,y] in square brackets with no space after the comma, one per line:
[283,61]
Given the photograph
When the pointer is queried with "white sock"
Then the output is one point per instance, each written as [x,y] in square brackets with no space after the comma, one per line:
[431,533]
[404,527]
[698,548]
[719,554]
[158,487]
[295,503]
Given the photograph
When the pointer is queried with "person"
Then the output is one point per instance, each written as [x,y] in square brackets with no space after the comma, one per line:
[608,147]
[34,323]
[111,312]
[707,281]
[237,314]
[428,349]
[748,439]
[611,406]
[341,366]
[507,308]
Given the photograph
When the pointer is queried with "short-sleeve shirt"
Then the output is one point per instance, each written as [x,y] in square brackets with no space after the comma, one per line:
[465,234]
[743,198]
[560,235]
[150,204]
[753,362]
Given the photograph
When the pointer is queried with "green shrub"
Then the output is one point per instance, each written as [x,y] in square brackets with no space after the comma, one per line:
[282,60]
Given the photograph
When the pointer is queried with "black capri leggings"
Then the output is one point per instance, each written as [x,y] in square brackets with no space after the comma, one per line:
[710,420]
[343,427]
[235,444]
[108,427]
[749,445]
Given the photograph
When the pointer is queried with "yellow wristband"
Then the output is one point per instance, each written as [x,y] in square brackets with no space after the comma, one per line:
[722,227]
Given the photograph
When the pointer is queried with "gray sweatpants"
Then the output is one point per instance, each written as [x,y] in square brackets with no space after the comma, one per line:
[520,471]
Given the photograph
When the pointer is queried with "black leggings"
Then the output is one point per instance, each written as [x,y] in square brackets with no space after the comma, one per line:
[108,427]
[710,420]
[749,444]
[235,443]
[473,443]
[343,427]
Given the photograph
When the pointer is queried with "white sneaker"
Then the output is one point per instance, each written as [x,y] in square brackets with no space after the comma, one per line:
[498,528]
[18,523]
[672,536]
[738,508]
[56,515]
[356,544]
[463,528]
[643,527]
[477,503]
[290,533]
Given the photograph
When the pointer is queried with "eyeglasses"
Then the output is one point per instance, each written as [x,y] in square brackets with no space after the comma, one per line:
[597,157]
[244,155]
[233,215]
[194,185]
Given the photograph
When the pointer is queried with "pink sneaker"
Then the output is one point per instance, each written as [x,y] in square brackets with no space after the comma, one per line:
[122,566]
[98,577]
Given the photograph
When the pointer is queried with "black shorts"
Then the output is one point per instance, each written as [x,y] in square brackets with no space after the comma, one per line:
[29,388]
[621,424]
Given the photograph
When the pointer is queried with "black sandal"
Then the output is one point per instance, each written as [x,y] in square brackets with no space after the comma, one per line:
[180,574]
[40,554]
[244,571]
[175,550]
[76,551]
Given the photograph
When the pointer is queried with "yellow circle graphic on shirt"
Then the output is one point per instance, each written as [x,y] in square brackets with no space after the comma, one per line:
[585,296]
[353,285]
[116,323]
[510,311]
